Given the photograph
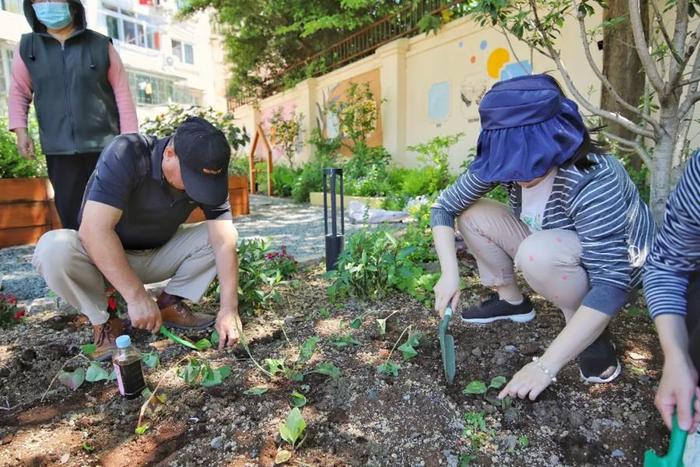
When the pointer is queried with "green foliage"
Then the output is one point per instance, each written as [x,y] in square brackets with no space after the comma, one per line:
[151,359]
[345,340]
[12,164]
[389,369]
[239,165]
[311,176]
[258,276]
[475,430]
[366,173]
[72,379]
[479,387]
[10,313]
[166,123]
[200,373]
[285,133]
[283,180]
[293,428]
[297,399]
[408,348]
[96,373]
[142,429]
[256,391]
[327,369]
[357,114]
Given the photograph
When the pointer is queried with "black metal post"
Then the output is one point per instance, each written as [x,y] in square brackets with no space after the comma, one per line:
[334,239]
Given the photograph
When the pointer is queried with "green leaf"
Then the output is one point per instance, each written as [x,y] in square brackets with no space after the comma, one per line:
[225,371]
[389,369]
[523,441]
[151,359]
[307,349]
[87,447]
[88,349]
[475,387]
[293,427]
[256,391]
[112,375]
[328,369]
[381,324]
[96,373]
[298,399]
[142,429]
[407,351]
[274,365]
[345,341]
[356,323]
[214,338]
[72,379]
[498,382]
[203,344]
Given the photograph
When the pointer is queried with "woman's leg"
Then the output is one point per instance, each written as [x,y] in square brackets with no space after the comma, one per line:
[550,261]
[492,235]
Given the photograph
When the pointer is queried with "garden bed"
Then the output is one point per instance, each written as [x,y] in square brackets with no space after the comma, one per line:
[361,418]
[27,210]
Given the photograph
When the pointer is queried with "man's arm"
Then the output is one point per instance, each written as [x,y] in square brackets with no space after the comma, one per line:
[224,237]
[105,249]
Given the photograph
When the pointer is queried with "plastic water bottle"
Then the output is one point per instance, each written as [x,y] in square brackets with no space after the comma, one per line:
[127,367]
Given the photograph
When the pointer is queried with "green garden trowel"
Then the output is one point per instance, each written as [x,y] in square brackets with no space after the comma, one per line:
[447,346]
[674,457]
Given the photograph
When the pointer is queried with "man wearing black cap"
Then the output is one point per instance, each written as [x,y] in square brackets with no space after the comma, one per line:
[132,233]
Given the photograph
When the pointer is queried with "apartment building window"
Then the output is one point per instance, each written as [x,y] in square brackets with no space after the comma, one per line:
[150,89]
[5,67]
[183,52]
[13,6]
[125,26]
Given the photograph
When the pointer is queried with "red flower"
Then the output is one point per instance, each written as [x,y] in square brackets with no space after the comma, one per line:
[11,299]
[20,314]
[112,304]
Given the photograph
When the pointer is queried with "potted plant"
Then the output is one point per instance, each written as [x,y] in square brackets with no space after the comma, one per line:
[26,196]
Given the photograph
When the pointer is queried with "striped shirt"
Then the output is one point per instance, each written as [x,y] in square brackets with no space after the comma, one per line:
[676,251]
[601,204]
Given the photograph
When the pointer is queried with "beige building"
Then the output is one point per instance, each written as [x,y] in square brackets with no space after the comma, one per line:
[167,61]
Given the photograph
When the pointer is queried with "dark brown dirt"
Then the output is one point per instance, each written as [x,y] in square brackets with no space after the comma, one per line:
[363,418]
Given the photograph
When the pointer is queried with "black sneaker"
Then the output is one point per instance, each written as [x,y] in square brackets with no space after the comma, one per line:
[598,362]
[492,309]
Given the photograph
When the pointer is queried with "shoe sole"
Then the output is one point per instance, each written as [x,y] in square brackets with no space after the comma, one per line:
[169,324]
[522,318]
[598,380]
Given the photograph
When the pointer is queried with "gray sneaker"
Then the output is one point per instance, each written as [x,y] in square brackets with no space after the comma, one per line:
[492,309]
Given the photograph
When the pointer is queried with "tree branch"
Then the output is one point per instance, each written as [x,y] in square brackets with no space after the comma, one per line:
[633,145]
[664,31]
[640,43]
[614,117]
[603,79]
[679,35]
[693,94]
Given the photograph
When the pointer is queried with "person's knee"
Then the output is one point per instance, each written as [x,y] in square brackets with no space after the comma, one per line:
[479,213]
[536,257]
[55,250]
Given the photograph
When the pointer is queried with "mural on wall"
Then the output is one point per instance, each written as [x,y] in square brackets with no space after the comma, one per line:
[487,64]
[439,101]
[328,121]
[287,109]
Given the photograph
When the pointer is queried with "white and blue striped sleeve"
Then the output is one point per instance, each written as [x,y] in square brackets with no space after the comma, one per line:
[676,250]
[456,198]
[599,215]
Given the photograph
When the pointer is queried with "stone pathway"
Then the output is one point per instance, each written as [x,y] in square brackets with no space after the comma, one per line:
[297,226]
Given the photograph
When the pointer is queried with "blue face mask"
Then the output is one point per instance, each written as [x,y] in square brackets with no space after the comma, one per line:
[53,15]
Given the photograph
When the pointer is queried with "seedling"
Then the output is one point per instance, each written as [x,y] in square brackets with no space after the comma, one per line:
[381,323]
[293,428]
[151,359]
[142,429]
[199,372]
[344,340]
[478,387]
[87,447]
[523,441]
[328,369]
[297,399]
[408,348]
[72,379]
[96,373]
[256,391]
[324,313]
[388,368]
[475,429]
[202,344]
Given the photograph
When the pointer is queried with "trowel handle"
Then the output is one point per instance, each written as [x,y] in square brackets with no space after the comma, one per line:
[677,442]
[448,312]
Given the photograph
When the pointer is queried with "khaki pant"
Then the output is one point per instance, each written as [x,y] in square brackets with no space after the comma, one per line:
[187,260]
[550,260]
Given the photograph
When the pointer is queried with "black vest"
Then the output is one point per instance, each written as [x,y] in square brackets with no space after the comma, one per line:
[73,98]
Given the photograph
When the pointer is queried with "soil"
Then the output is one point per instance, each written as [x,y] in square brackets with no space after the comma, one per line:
[362,418]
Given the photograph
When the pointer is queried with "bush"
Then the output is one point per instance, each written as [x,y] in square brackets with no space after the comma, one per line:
[166,123]
[283,180]
[239,165]
[12,164]
[10,313]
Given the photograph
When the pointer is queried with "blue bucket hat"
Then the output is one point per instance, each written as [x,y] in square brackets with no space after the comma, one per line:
[527,127]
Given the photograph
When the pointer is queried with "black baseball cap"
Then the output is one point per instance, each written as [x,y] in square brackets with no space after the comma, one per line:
[204,155]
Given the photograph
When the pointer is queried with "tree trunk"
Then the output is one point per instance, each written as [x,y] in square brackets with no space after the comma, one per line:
[662,179]
[622,66]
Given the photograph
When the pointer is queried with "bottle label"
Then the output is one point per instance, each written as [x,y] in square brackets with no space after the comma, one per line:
[120,383]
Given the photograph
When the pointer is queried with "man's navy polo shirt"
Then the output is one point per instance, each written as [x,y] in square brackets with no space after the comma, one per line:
[129,177]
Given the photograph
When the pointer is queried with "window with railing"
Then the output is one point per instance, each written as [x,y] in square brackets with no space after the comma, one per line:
[129,28]
[156,90]
[183,52]
[13,6]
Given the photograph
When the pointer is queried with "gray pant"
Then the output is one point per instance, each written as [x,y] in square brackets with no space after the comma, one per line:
[187,260]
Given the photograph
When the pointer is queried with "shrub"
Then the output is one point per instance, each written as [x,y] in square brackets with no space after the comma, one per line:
[283,180]
[10,313]
[239,165]
[285,133]
[12,164]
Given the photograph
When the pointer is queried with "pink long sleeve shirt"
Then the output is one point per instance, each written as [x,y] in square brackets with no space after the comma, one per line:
[20,95]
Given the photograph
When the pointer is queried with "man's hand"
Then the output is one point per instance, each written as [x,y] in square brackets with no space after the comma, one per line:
[229,326]
[678,386]
[25,145]
[144,313]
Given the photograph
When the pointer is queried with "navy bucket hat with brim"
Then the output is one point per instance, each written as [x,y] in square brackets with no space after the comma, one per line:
[527,127]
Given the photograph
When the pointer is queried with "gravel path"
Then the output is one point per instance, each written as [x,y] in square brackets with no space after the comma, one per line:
[297,226]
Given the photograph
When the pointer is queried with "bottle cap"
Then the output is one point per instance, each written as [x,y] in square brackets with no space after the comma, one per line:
[123,341]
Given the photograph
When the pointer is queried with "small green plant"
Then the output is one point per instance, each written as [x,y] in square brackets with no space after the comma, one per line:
[256,391]
[283,180]
[388,367]
[523,441]
[285,133]
[12,164]
[344,340]
[282,262]
[296,371]
[293,428]
[10,313]
[408,348]
[200,373]
[475,430]
[479,387]
[297,399]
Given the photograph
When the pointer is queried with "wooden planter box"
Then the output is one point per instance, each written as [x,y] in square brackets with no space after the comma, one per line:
[316,199]
[27,210]
[237,197]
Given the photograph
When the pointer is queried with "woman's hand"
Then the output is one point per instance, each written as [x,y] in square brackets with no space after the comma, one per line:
[25,145]
[678,386]
[529,381]
[446,292]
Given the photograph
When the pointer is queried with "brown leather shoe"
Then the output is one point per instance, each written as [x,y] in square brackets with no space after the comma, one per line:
[104,336]
[180,316]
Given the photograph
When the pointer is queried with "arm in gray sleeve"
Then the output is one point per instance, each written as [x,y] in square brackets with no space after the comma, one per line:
[457,198]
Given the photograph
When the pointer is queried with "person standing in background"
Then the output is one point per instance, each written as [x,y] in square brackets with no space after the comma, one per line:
[81,96]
